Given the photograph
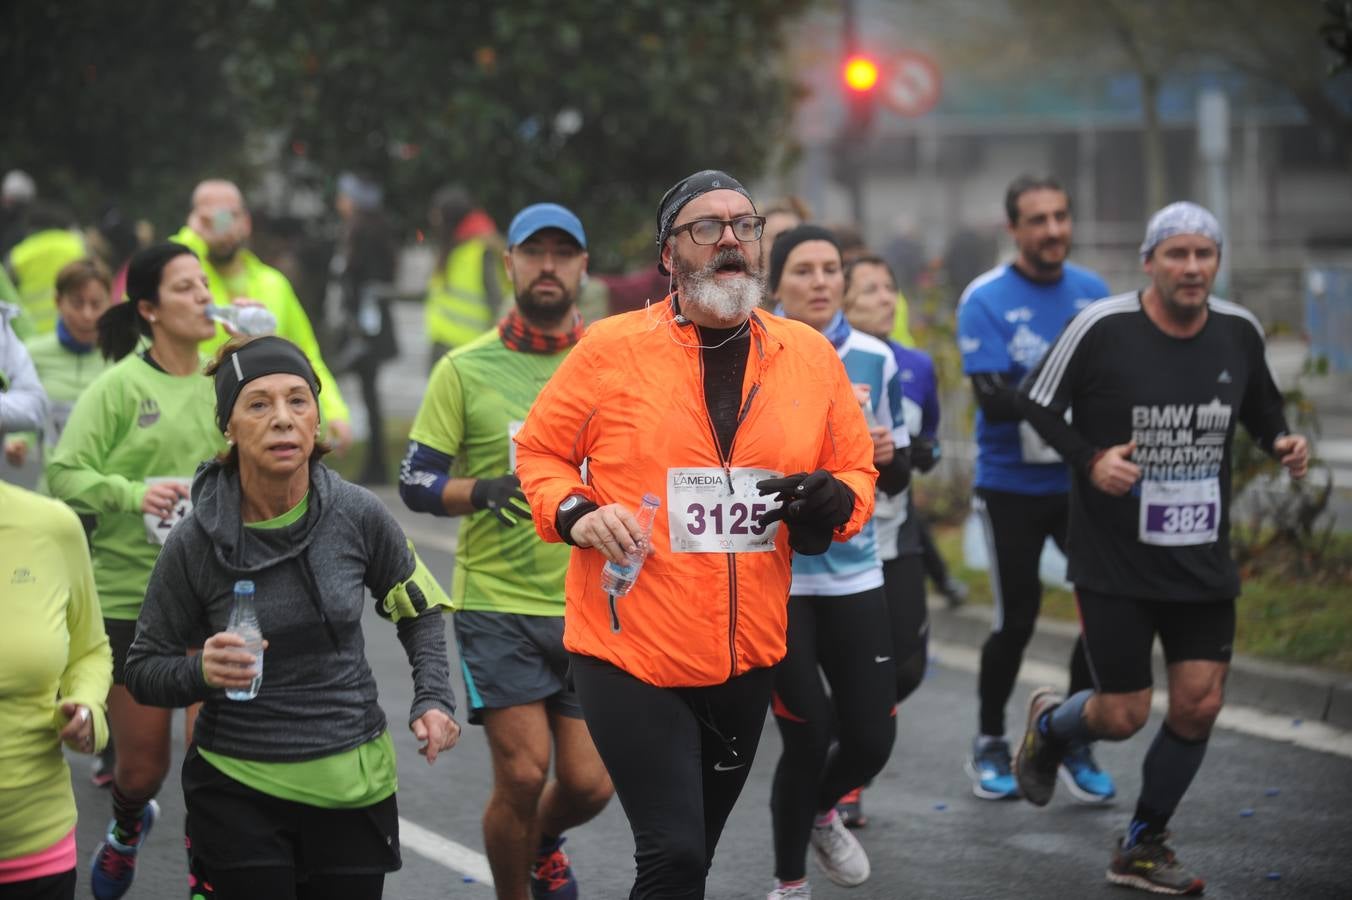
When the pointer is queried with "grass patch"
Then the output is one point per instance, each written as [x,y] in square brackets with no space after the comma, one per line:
[1294,620]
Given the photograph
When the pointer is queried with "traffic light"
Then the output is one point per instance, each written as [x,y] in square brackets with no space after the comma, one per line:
[860,75]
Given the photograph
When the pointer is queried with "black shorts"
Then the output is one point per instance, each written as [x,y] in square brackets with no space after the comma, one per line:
[510,659]
[233,826]
[120,632]
[1120,631]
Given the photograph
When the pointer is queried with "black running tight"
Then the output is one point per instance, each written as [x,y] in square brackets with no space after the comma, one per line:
[904,585]
[679,758]
[850,639]
[1016,526]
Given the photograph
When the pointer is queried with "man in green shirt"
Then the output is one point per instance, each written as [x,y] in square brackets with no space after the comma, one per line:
[218,228]
[508,584]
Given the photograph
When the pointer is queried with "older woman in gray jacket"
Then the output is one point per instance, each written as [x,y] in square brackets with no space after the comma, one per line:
[289,794]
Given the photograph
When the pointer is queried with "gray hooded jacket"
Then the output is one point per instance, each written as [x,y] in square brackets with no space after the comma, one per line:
[318,696]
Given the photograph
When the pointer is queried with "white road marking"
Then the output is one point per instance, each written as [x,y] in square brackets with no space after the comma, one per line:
[1244,719]
[444,852]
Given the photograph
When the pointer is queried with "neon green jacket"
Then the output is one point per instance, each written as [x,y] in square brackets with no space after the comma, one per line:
[260,281]
[35,262]
[458,306]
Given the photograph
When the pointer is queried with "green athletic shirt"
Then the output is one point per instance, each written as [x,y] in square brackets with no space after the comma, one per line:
[475,394]
[134,422]
[352,779]
[64,375]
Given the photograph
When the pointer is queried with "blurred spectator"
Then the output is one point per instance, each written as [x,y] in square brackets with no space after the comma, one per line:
[17,194]
[780,215]
[218,230]
[905,254]
[854,248]
[114,240]
[23,403]
[361,279]
[969,253]
[464,294]
[66,360]
[633,289]
[34,261]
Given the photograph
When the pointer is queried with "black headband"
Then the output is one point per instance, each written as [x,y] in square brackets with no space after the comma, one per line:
[269,355]
[681,193]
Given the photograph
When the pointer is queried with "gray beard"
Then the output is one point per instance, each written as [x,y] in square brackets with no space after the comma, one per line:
[729,301]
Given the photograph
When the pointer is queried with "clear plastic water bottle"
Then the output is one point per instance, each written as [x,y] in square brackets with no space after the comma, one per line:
[253,321]
[618,579]
[866,405]
[244,622]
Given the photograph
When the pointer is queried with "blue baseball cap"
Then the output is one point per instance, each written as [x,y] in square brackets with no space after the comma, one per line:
[539,216]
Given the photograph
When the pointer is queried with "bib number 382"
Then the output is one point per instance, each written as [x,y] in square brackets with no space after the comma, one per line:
[709,513]
[1180,513]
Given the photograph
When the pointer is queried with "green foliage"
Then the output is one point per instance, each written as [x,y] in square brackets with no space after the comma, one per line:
[598,105]
[115,102]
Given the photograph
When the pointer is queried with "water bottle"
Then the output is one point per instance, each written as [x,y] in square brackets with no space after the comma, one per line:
[244,622]
[866,405]
[618,579]
[253,321]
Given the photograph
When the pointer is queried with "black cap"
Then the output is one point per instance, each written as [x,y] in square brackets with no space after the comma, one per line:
[685,190]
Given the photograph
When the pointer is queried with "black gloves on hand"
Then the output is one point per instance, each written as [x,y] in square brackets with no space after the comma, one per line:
[817,502]
[924,454]
[813,506]
[502,496]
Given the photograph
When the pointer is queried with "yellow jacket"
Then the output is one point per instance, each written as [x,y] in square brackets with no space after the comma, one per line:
[260,281]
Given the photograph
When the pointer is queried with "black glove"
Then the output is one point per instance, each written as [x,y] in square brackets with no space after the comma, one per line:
[818,500]
[503,496]
[924,453]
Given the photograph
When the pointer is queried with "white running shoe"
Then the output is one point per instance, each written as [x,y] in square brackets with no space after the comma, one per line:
[796,892]
[839,853]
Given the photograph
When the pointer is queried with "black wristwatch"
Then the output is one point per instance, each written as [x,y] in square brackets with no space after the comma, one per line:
[570,502]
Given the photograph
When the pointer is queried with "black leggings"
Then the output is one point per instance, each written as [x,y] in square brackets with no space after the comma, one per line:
[850,639]
[678,758]
[1016,526]
[279,883]
[904,585]
[60,886]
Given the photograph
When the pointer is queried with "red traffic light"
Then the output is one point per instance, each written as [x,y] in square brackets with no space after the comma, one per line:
[861,73]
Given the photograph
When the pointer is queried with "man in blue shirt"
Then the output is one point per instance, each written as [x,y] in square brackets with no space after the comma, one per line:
[1007,320]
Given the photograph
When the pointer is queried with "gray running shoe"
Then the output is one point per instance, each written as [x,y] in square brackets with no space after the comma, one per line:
[839,853]
[1039,757]
[1152,866]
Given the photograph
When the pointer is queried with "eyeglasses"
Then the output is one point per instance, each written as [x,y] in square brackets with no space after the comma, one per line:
[709,231]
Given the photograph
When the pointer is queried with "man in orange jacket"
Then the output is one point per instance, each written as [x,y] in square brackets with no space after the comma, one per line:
[746,429]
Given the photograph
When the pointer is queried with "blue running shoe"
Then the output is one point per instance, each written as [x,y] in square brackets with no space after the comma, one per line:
[551,878]
[114,864]
[991,772]
[1084,779]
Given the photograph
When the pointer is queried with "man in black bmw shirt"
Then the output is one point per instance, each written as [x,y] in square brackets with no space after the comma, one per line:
[1156,383]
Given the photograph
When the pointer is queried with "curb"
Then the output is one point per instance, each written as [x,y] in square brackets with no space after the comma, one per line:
[1301,692]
